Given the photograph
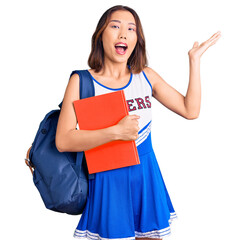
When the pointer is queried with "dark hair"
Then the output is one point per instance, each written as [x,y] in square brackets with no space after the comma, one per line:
[137,61]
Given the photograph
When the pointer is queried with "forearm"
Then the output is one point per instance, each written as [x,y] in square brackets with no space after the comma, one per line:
[82,140]
[193,95]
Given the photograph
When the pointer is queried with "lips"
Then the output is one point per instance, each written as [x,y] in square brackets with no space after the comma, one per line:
[121,48]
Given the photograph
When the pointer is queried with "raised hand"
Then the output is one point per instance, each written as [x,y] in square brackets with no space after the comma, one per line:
[197,50]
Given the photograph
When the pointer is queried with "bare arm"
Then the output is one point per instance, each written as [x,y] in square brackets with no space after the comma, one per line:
[68,138]
[166,94]
[186,106]
[193,96]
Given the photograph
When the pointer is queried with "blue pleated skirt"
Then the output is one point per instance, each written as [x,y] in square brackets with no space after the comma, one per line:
[128,202]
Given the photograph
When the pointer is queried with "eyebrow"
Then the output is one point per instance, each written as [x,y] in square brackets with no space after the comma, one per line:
[120,22]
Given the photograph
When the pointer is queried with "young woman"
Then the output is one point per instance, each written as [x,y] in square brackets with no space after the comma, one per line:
[130,202]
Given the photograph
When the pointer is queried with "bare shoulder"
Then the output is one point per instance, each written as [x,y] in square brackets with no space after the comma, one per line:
[72,89]
[91,71]
[74,78]
[153,77]
[166,94]
[149,72]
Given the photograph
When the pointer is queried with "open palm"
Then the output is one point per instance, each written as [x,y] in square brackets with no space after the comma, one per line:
[197,50]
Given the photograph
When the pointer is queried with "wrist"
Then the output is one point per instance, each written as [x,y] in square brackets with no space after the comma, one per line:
[114,130]
[194,59]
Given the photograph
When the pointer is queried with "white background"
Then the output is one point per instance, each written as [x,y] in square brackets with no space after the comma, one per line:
[202,160]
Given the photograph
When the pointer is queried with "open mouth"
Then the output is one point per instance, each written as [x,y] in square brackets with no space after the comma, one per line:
[121,49]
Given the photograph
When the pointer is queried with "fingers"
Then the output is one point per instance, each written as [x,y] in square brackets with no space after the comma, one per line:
[215,37]
[214,42]
[211,41]
[195,44]
[134,116]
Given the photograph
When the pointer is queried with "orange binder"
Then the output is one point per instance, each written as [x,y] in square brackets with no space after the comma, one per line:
[99,112]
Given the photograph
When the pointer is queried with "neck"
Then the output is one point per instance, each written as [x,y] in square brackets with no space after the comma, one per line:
[114,70]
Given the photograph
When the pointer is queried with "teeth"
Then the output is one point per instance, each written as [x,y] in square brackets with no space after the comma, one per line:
[120,45]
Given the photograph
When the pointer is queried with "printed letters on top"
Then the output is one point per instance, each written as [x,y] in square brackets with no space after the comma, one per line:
[138,103]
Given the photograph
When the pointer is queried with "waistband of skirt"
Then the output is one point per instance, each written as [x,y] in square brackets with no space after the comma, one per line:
[145,146]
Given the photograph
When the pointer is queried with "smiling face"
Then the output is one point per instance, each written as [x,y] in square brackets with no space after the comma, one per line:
[120,29]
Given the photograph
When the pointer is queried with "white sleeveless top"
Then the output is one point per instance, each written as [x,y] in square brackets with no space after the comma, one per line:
[138,94]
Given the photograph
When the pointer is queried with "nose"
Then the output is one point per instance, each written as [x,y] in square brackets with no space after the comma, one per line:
[123,33]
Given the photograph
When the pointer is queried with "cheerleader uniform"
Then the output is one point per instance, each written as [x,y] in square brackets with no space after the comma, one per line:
[132,201]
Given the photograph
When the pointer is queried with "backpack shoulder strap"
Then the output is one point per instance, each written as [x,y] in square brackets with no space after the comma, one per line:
[85,84]
[86,90]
